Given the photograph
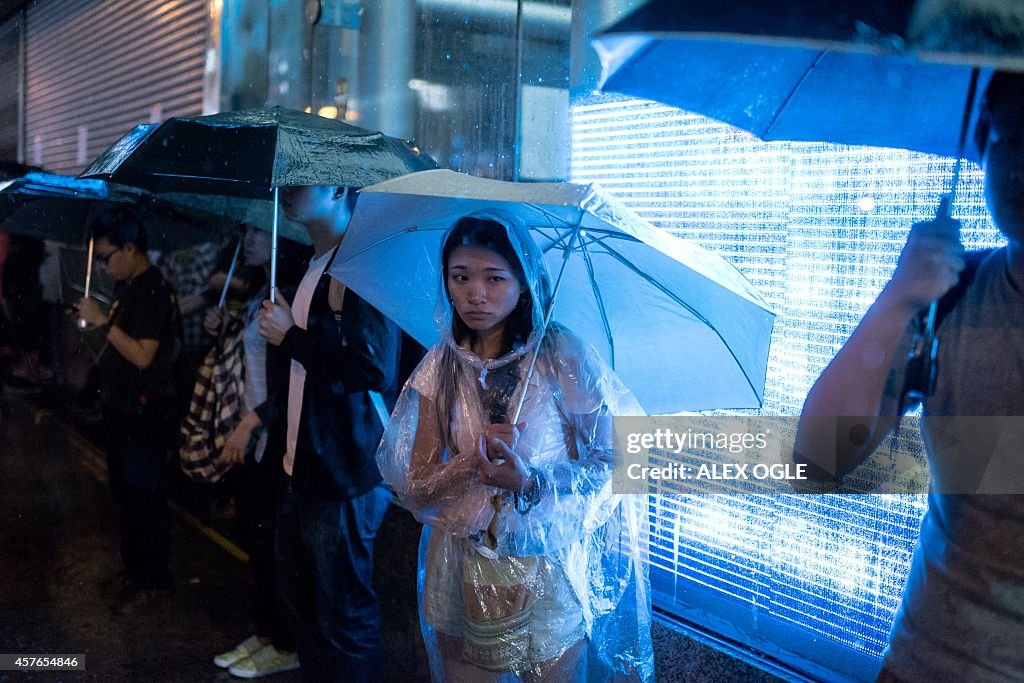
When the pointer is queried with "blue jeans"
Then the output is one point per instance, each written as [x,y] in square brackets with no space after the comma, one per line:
[324,556]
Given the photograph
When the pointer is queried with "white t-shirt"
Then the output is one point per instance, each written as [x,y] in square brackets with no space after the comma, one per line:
[297,381]
[255,349]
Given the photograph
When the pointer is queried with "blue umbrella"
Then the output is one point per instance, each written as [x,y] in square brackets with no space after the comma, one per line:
[884,73]
[892,73]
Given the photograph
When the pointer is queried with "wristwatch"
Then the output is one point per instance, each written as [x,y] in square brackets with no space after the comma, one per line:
[524,501]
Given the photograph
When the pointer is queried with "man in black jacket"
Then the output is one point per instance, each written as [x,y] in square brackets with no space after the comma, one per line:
[341,350]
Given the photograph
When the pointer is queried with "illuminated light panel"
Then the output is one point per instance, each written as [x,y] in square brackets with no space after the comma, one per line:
[817,228]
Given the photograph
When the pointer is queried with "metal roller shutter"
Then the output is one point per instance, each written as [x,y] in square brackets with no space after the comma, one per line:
[10,81]
[95,68]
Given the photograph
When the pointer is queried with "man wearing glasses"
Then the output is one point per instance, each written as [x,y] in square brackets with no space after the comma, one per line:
[135,373]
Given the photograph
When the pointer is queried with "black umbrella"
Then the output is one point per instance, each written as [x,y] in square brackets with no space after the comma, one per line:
[253,152]
[885,73]
[60,208]
[250,152]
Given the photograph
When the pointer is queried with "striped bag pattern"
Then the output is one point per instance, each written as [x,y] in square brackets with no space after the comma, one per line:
[215,409]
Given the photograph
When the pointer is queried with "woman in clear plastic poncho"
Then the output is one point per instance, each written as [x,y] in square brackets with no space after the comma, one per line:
[530,567]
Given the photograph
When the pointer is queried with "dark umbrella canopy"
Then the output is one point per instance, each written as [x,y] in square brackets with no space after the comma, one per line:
[888,73]
[248,152]
[10,170]
[59,208]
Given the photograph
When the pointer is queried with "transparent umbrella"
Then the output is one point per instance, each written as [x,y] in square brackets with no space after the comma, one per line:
[682,328]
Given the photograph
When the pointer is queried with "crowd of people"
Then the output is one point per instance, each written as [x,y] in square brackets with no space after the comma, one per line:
[500,443]
[522,575]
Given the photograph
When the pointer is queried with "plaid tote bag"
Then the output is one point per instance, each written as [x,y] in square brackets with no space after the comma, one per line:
[215,409]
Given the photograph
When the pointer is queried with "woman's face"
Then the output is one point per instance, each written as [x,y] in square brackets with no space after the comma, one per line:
[483,287]
[256,247]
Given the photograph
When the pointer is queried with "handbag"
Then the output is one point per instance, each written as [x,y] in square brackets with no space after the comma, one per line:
[498,595]
[215,409]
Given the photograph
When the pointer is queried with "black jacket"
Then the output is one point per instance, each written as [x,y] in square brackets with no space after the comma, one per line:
[273,411]
[346,354]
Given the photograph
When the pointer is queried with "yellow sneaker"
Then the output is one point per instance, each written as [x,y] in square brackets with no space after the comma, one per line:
[265,662]
[245,649]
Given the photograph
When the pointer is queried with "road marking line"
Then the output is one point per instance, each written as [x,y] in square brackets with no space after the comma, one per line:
[93,459]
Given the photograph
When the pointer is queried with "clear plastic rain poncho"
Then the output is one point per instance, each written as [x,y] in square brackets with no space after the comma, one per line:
[509,583]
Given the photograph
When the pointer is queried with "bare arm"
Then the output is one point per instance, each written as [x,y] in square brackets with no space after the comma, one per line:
[846,413]
[138,352]
[444,486]
[426,446]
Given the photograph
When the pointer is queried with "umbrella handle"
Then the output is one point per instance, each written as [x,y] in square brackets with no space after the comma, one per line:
[82,325]
[923,364]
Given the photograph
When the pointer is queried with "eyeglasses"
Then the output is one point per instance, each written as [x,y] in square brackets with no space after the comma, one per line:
[105,258]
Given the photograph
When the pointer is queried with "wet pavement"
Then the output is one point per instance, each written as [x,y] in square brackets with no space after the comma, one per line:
[58,545]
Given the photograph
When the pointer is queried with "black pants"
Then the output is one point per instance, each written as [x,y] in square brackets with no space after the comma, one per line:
[260,491]
[325,571]
[135,466]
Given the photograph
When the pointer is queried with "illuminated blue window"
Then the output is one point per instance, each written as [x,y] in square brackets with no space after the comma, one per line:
[812,581]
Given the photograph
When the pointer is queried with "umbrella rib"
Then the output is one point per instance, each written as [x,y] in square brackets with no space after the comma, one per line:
[606,235]
[558,241]
[600,304]
[789,97]
[552,218]
[388,238]
[671,295]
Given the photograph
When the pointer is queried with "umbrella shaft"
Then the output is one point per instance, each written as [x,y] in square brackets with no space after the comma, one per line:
[273,251]
[88,266]
[547,318]
[88,278]
[231,273]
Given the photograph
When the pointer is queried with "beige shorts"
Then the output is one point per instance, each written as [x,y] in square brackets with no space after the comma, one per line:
[555,621]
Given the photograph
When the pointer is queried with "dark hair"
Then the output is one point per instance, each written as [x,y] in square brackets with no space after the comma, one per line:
[350,197]
[470,231]
[292,262]
[120,226]
[1003,84]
